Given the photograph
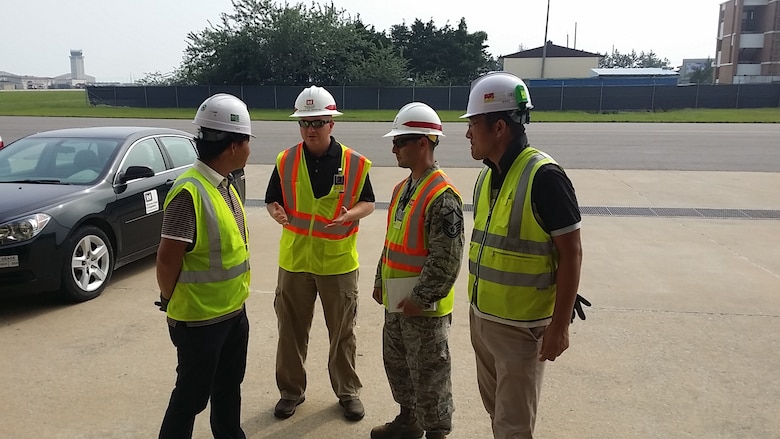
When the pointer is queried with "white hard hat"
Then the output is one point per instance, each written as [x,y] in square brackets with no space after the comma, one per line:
[315,101]
[495,92]
[224,112]
[416,118]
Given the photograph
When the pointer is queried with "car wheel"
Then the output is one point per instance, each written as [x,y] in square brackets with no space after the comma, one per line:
[89,261]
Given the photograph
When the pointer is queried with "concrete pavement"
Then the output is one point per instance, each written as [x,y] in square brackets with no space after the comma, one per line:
[676,344]
[681,341]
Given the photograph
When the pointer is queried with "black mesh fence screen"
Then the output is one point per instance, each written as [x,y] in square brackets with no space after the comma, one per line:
[556,98]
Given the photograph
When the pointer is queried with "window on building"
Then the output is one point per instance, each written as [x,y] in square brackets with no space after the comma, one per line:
[749,55]
[751,19]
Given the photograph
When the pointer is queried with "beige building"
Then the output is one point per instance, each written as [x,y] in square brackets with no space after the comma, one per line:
[557,62]
[748,46]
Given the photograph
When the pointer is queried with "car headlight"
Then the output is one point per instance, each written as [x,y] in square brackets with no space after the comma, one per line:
[23,229]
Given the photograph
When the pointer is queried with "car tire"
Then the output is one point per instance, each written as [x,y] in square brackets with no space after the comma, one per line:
[87,264]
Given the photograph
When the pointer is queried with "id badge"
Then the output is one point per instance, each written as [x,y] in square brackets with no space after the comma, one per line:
[397,224]
[338,182]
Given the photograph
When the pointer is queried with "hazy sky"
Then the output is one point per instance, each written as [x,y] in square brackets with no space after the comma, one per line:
[124,40]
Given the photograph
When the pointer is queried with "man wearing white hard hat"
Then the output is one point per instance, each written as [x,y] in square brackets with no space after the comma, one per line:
[524,258]
[203,274]
[318,191]
[415,280]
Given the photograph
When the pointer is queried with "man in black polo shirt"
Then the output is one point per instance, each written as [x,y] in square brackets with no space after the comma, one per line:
[525,258]
[318,192]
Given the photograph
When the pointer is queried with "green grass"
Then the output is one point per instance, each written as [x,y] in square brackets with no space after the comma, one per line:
[73,103]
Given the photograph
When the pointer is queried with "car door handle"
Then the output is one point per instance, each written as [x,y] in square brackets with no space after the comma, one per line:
[169,182]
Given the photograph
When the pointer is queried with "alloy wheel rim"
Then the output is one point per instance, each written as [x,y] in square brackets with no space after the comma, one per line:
[90,263]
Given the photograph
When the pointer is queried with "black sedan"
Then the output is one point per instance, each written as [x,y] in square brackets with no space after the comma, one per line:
[75,204]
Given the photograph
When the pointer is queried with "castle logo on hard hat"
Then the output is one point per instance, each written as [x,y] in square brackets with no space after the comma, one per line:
[488,97]
[309,101]
[234,117]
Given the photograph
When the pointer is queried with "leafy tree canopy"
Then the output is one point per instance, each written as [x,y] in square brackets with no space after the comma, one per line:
[447,55]
[262,43]
[633,60]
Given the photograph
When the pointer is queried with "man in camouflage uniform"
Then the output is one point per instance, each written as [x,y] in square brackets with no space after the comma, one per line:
[415,278]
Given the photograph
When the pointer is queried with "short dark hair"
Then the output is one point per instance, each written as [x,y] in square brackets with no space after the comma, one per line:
[516,127]
[211,143]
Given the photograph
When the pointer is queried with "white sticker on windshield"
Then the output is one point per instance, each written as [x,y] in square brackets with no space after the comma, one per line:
[152,203]
[9,261]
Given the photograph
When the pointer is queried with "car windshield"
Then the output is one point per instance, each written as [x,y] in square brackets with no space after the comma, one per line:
[56,160]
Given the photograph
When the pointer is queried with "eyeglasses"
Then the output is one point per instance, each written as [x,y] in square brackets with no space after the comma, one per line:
[313,123]
[400,142]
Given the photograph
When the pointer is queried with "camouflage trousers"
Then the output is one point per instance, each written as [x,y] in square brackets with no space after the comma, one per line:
[418,365]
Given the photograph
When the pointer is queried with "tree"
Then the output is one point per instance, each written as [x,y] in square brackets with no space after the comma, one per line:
[261,43]
[158,78]
[442,56]
[632,60]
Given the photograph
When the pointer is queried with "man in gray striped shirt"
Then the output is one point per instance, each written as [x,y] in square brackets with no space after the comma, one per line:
[203,274]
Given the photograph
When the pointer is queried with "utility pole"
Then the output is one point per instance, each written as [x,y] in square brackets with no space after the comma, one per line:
[544,48]
[575,35]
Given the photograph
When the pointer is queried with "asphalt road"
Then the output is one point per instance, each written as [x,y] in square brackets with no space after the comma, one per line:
[608,146]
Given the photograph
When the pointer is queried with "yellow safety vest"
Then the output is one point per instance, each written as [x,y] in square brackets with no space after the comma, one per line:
[512,260]
[306,244]
[214,278]
[406,244]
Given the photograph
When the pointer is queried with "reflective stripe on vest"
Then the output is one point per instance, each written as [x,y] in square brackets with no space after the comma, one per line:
[215,276]
[406,248]
[512,276]
[301,222]
[306,245]
[410,255]
[215,273]
[512,241]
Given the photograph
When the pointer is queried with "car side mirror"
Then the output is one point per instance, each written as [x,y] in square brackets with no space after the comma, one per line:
[135,172]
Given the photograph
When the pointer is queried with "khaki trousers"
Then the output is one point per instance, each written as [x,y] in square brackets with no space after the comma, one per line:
[296,294]
[509,375]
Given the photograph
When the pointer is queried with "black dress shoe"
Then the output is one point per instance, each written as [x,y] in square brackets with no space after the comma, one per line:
[286,407]
[353,409]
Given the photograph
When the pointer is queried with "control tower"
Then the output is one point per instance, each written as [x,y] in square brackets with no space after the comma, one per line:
[77,64]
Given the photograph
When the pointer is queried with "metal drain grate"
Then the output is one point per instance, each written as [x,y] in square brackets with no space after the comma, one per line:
[681,212]
[660,212]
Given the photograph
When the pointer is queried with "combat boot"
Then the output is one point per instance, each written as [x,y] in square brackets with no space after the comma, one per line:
[404,426]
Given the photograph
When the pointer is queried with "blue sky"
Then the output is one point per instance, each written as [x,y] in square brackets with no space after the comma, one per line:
[126,40]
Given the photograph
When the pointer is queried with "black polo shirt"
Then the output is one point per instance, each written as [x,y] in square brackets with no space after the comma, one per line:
[552,193]
[321,172]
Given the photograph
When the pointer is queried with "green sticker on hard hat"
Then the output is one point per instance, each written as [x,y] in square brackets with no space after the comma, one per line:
[234,118]
[520,94]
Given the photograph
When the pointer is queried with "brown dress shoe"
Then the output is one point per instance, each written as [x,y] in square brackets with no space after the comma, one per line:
[353,409]
[286,407]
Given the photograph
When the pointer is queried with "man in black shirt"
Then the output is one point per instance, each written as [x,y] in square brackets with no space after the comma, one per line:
[524,267]
[318,192]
